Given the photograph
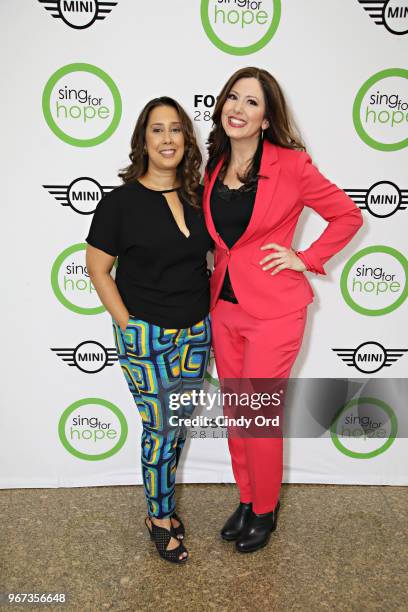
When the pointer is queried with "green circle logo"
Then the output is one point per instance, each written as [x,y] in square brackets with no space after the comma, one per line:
[373,453]
[374,281]
[242,28]
[81,105]
[380,110]
[71,283]
[90,429]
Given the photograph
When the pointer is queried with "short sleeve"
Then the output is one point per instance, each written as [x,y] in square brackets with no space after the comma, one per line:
[104,233]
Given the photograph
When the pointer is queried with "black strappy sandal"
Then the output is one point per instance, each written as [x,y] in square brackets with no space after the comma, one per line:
[180,530]
[161,537]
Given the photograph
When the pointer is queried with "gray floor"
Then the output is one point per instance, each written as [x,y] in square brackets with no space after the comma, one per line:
[336,548]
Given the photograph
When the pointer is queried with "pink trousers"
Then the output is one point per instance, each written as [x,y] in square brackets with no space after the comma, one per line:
[246,347]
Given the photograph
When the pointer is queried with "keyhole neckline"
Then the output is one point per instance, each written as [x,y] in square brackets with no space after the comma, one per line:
[159,190]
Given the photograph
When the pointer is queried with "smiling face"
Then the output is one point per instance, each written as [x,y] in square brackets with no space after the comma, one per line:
[243,113]
[164,138]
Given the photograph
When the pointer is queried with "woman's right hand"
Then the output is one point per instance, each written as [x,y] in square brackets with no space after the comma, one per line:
[99,265]
[123,323]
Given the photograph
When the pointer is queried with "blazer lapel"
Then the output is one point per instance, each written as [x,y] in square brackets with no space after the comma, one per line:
[270,169]
[207,207]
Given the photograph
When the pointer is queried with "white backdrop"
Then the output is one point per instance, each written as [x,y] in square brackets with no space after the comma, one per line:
[78,123]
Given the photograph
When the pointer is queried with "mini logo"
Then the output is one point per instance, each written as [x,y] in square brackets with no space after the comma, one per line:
[380,110]
[71,283]
[82,195]
[365,428]
[78,14]
[81,105]
[382,199]
[392,14]
[375,280]
[92,429]
[369,357]
[240,27]
[89,356]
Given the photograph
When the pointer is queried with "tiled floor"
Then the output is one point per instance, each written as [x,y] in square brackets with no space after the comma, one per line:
[340,548]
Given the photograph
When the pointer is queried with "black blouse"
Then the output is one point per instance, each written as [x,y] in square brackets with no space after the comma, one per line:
[161,274]
[231,210]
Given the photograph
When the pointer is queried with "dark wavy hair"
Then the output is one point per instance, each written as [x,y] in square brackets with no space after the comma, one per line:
[188,171]
[282,130]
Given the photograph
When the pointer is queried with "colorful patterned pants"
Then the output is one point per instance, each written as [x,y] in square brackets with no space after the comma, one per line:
[158,362]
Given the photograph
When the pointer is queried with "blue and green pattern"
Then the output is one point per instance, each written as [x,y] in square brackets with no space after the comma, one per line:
[157,362]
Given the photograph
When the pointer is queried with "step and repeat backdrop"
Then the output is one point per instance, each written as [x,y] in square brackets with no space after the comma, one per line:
[75,76]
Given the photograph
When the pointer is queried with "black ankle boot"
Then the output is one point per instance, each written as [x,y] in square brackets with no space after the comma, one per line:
[258,531]
[237,522]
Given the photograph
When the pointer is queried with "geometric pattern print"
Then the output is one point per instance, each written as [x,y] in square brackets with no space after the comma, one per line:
[157,361]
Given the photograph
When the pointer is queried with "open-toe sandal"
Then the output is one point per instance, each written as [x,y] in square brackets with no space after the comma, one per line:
[180,530]
[161,537]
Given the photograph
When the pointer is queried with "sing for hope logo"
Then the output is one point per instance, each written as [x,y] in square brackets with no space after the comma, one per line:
[240,27]
[374,281]
[380,110]
[81,105]
[71,282]
[92,429]
[365,428]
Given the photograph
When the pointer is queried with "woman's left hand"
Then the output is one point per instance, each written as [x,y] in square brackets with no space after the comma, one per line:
[282,259]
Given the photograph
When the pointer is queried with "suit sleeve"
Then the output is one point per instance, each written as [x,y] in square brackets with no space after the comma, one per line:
[330,202]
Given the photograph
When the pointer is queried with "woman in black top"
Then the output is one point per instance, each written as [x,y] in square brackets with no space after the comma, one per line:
[159,300]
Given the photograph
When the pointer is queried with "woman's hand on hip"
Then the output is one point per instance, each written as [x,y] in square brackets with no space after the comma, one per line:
[283,259]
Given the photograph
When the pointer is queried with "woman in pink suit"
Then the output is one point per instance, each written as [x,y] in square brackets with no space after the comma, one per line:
[257,181]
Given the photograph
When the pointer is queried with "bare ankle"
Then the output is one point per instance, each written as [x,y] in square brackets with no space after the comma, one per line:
[165,522]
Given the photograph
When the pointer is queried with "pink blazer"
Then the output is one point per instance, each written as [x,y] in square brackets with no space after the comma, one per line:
[291,182]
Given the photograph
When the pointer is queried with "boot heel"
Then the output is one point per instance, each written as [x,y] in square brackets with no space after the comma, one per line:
[276,512]
[258,531]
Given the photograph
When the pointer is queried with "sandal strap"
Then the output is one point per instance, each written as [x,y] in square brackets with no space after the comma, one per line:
[180,530]
[147,526]
[162,537]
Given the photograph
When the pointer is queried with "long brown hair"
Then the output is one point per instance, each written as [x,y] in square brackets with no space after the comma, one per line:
[188,171]
[281,131]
